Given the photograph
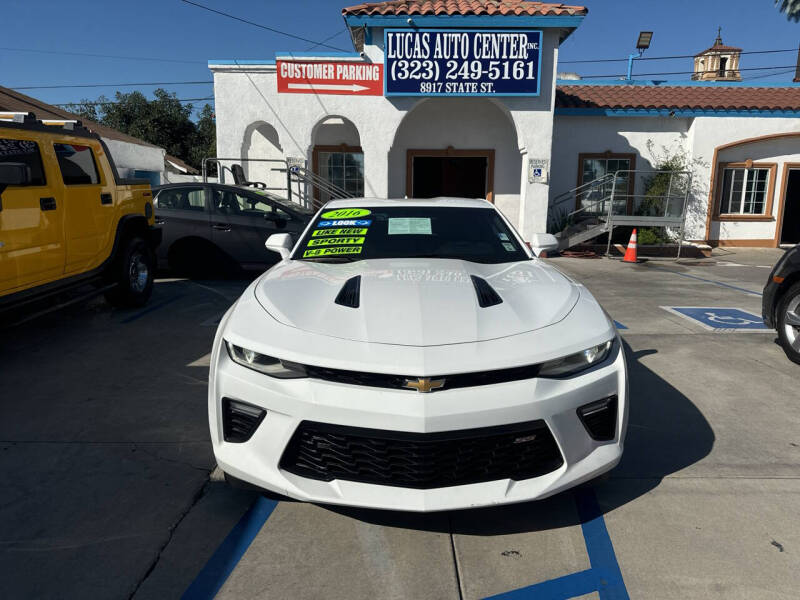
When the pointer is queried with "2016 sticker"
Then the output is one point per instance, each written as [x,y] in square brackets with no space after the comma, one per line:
[345,223]
[344,231]
[346,213]
[332,251]
[335,241]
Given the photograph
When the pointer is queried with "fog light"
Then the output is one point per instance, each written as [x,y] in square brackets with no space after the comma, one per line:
[600,418]
[240,420]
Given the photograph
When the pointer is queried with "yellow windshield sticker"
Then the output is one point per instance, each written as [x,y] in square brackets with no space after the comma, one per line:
[346,213]
[332,251]
[336,241]
[344,231]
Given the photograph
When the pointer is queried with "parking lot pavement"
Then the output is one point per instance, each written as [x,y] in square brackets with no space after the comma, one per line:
[106,448]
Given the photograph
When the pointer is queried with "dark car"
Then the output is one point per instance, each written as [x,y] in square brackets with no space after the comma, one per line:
[781,302]
[209,226]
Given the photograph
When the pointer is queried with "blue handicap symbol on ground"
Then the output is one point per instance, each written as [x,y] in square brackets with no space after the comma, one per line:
[720,318]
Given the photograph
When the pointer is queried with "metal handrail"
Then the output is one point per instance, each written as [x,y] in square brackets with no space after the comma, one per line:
[563,197]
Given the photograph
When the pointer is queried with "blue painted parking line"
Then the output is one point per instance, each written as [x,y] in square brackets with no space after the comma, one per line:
[224,560]
[604,576]
[712,281]
[619,325]
[151,308]
[720,319]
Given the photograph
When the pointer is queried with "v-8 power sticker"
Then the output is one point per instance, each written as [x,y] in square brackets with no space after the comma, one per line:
[332,251]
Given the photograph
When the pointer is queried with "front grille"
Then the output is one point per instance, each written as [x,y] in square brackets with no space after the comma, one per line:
[452,382]
[421,460]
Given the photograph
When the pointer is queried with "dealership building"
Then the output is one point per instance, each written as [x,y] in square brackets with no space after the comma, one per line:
[462,98]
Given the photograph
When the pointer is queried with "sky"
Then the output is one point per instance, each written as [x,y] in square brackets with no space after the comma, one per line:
[47,43]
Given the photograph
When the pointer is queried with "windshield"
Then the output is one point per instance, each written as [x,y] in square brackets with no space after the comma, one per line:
[350,234]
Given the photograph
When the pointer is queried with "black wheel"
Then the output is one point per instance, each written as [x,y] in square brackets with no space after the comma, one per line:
[133,274]
[788,319]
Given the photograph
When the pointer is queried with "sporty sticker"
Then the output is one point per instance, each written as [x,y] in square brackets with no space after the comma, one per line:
[332,251]
[345,223]
[344,231]
[336,241]
[346,213]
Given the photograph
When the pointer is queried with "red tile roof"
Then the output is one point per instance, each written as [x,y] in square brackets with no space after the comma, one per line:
[720,48]
[686,97]
[464,7]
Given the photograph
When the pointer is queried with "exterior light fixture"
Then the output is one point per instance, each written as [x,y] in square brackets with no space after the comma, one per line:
[642,44]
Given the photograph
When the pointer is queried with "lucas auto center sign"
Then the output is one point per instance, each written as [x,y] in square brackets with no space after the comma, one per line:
[462,63]
[428,62]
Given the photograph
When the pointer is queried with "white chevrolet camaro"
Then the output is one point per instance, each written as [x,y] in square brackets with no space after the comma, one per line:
[415,355]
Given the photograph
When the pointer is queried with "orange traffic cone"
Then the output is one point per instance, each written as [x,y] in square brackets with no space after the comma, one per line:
[630,253]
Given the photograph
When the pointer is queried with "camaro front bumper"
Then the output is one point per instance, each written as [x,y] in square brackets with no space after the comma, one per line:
[288,403]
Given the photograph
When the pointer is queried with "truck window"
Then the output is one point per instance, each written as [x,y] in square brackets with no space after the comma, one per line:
[77,164]
[23,151]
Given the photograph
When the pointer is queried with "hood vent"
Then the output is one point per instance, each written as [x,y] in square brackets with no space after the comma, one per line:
[486,294]
[350,293]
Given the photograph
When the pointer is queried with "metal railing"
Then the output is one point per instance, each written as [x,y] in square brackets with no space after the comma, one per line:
[302,186]
[601,205]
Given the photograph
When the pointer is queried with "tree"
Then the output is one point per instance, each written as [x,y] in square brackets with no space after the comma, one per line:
[163,121]
[790,7]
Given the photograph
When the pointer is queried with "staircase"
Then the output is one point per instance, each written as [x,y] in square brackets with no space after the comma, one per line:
[606,203]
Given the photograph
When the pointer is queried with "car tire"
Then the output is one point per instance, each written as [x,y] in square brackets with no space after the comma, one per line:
[788,334]
[133,273]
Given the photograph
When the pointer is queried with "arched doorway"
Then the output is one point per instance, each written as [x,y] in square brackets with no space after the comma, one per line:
[463,147]
[337,157]
[261,141]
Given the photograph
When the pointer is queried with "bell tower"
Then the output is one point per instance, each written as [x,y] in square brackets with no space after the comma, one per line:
[718,63]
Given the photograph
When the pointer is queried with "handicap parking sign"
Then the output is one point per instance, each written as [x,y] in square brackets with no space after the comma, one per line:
[719,319]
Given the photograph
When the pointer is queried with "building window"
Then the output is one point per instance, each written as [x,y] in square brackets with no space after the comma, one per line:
[744,191]
[596,166]
[342,167]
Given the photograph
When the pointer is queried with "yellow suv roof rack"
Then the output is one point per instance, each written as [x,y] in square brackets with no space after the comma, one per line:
[73,126]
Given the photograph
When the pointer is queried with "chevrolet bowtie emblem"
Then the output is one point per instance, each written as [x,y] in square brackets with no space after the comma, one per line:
[424,384]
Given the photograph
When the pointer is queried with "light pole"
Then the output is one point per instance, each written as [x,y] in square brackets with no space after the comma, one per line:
[642,44]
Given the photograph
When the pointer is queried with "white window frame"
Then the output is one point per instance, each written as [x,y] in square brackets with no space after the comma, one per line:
[748,172]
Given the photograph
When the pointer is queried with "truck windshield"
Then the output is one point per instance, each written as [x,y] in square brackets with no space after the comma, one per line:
[350,234]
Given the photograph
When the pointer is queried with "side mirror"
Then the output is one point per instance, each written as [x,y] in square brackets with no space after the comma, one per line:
[543,244]
[280,243]
[279,221]
[14,174]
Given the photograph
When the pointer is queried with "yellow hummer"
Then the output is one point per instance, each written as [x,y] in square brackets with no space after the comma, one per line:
[66,217]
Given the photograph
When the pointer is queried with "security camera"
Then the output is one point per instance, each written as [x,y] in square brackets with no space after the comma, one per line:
[362,54]
[410,20]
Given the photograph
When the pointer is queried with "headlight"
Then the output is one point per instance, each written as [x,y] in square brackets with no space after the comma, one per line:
[269,365]
[574,363]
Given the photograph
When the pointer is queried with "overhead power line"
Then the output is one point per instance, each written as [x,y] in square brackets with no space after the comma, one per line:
[115,56]
[259,25]
[607,60]
[683,72]
[118,102]
[94,85]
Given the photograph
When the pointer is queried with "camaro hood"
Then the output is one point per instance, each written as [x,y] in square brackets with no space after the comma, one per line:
[416,302]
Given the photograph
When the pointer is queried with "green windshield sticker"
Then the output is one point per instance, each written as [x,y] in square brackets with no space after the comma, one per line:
[344,231]
[332,251]
[346,213]
[336,241]
[410,226]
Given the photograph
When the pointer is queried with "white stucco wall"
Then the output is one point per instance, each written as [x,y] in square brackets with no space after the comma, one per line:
[515,127]
[128,156]
[708,133]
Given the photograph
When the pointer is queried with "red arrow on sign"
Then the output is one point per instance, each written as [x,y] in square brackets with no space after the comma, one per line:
[351,78]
